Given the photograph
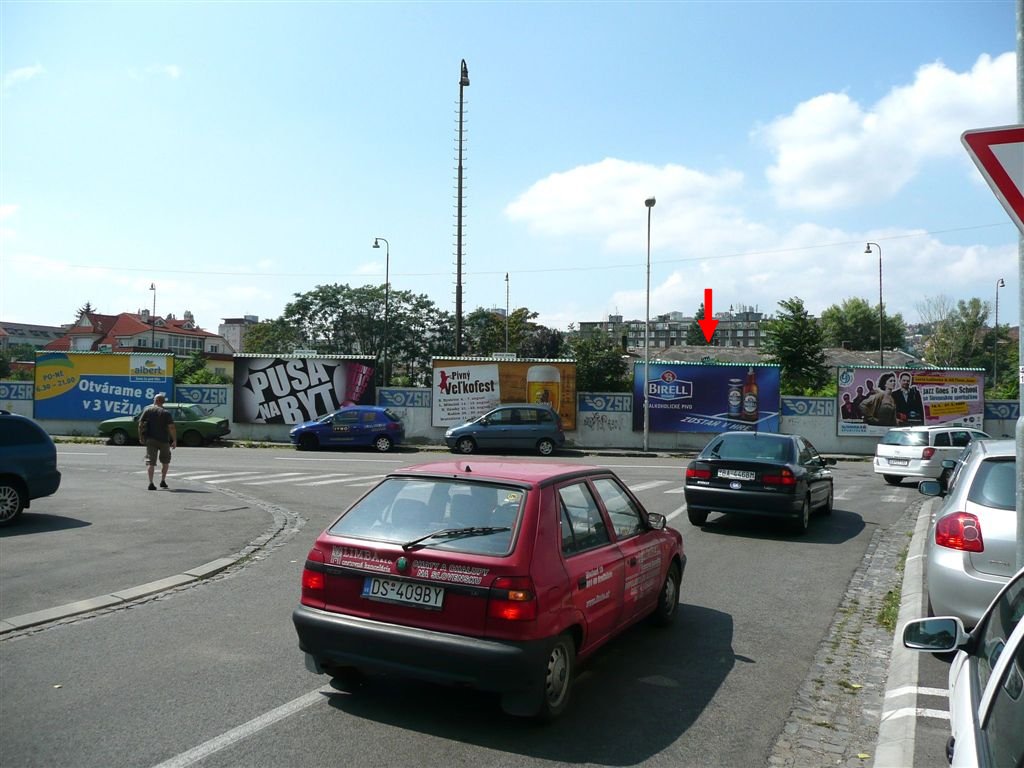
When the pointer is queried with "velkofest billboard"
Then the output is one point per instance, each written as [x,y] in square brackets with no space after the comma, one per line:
[465,388]
[872,400]
[291,390]
[99,385]
[707,397]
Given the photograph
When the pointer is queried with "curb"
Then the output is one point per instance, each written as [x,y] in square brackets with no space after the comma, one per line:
[896,730]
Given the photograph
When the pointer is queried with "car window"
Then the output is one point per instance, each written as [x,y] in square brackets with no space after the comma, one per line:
[1003,735]
[623,513]
[995,484]
[942,440]
[504,416]
[582,526]
[765,448]
[896,437]
[346,417]
[960,437]
[369,416]
[997,625]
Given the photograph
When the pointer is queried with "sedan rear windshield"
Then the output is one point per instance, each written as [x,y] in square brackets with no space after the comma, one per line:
[758,448]
[895,437]
[466,517]
[995,484]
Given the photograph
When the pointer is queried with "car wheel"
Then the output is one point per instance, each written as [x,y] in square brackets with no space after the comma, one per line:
[119,437]
[558,677]
[893,479]
[12,502]
[308,442]
[802,523]
[192,439]
[382,443]
[545,447]
[668,599]
[697,516]
[830,502]
[465,445]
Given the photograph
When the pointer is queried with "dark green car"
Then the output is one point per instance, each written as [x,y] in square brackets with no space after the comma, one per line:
[193,427]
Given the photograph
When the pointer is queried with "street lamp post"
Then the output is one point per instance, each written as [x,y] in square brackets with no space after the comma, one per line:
[506,313]
[1000,283]
[387,297]
[867,249]
[649,202]
[152,319]
[463,82]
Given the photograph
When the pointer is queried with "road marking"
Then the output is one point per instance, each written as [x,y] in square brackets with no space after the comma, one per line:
[906,689]
[675,512]
[648,486]
[896,714]
[244,731]
[281,478]
[346,479]
[339,458]
[207,476]
[897,497]
[680,489]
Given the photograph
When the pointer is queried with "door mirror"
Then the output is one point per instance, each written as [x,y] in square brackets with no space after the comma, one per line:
[656,521]
[930,488]
[939,635]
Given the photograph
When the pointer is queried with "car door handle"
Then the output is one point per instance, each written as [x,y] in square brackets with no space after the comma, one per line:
[582,583]
[632,561]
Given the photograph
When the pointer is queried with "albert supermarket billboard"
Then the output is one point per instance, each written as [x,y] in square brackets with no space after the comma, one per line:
[707,397]
[99,385]
[870,401]
[465,388]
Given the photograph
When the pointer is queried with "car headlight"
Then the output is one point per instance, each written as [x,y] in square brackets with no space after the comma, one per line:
[449,433]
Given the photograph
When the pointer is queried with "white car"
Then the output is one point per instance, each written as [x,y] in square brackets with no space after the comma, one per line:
[986,679]
[919,451]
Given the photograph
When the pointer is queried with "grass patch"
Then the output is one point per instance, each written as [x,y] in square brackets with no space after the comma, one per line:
[890,609]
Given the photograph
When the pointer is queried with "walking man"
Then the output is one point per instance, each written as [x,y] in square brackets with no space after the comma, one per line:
[158,434]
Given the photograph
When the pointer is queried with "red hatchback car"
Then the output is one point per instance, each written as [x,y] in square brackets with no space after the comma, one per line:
[496,575]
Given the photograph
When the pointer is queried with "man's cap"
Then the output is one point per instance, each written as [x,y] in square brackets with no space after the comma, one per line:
[160,396]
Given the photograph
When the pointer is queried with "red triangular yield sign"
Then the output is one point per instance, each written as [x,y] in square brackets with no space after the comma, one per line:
[999,155]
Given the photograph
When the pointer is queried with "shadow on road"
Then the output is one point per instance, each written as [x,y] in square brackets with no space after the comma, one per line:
[30,522]
[837,528]
[645,689]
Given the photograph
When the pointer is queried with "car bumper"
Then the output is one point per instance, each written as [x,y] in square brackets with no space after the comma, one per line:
[743,502]
[333,640]
[45,485]
[954,587]
[914,468]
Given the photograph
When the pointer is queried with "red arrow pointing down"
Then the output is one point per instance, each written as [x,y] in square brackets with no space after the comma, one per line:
[708,324]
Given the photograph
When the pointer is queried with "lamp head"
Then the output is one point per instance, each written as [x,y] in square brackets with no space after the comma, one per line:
[375,243]
[464,80]
[152,286]
[1001,283]
[867,248]
[649,202]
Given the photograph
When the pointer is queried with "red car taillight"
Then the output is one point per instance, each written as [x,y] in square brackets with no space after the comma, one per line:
[394,426]
[313,581]
[927,453]
[784,477]
[961,530]
[693,473]
[512,598]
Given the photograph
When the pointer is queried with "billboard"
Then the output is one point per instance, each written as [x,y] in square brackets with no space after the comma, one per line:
[703,397]
[872,400]
[465,388]
[97,385]
[291,390]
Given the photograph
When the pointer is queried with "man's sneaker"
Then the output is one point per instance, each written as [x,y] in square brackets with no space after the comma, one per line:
[163,483]
[151,487]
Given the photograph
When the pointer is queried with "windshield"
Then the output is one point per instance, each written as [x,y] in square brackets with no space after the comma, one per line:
[895,437]
[750,447]
[476,517]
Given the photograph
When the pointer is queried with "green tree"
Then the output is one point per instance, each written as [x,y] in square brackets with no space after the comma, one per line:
[193,370]
[86,308]
[794,341]
[694,333]
[958,336]
[272,337]
[854,324]
[600,364]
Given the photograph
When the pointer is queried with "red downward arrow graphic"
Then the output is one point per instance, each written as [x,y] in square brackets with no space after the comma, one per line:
[708,324]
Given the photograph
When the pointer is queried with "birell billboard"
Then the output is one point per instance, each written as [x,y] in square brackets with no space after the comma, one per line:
[872,400]
[291,390]
[99,385]
[707,397]
[465,388]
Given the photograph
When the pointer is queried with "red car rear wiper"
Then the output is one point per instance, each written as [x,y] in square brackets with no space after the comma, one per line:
[451,533]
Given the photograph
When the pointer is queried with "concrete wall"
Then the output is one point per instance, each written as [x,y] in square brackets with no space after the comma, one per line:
[604,419]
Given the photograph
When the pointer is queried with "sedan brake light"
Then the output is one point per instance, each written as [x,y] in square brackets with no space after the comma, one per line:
[313,581]
[927,453]
[393,426]
[694,473]
[512,598]
[960,530]
[784,477]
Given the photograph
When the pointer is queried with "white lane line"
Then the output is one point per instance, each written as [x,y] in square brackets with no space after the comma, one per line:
[210,476]
[680,489]
[675,513]
[244,731]
[339,458]
[353,480]
[896,714]
[903,690]
[295,478]
[648,486]
[233,477]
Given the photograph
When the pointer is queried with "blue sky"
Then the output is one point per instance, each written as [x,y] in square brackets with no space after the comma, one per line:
[236,154]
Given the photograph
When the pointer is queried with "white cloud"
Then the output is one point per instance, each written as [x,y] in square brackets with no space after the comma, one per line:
[22,75]
[830,152]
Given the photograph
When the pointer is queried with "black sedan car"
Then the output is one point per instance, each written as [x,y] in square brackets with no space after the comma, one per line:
[762,474]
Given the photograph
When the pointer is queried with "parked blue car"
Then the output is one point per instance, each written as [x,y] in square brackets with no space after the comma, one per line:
[28,465]
[354,425]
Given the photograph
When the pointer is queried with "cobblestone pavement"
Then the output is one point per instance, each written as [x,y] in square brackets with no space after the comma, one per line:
[835,716]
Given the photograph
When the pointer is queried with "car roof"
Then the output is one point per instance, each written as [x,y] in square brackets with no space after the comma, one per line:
[996,448]
[746,434]
[934,428]
[519,471]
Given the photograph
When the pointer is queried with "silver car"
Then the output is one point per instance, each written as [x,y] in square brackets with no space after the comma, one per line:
[918,452]
[986,679]
[971,549]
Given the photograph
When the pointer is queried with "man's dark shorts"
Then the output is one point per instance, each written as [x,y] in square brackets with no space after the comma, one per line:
[156,449]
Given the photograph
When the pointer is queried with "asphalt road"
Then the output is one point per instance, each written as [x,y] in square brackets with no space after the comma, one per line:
[209,673]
